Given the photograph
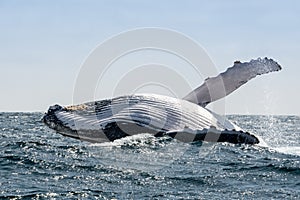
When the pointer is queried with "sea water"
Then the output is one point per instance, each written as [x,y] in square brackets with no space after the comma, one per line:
[38,163]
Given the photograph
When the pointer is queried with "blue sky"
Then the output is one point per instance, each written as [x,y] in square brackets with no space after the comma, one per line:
[44,43]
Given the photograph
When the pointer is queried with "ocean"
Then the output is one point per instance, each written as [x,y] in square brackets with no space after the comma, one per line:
[38,163]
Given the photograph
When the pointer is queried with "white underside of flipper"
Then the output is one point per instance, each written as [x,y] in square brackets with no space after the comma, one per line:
[225,83]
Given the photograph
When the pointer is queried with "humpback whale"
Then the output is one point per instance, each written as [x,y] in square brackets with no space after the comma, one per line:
[186,119]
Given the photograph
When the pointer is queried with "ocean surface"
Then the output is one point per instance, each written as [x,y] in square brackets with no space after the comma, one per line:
[36,162]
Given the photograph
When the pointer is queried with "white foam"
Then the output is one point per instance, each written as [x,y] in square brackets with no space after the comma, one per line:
[293,150]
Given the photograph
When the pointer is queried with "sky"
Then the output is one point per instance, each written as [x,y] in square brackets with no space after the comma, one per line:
[43,45]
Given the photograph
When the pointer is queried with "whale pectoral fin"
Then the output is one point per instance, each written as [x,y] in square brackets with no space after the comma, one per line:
[225,83]
[214,135]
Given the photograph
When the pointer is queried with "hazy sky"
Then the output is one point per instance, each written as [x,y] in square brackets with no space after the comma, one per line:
[44,43]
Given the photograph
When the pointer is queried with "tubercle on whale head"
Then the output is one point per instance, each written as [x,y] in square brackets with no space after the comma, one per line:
[54,108]
[49,117]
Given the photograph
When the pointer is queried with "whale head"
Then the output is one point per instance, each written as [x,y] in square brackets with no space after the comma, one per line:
[52,121]
[50,118]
